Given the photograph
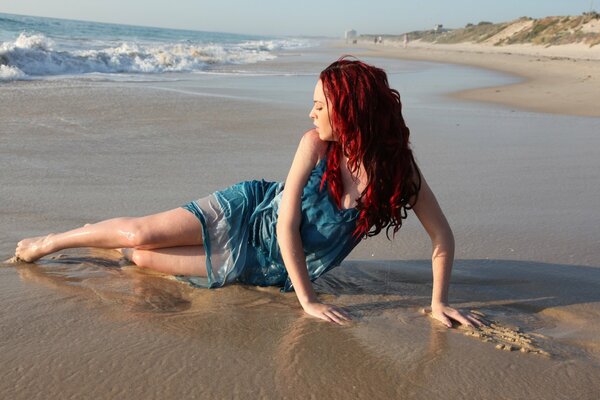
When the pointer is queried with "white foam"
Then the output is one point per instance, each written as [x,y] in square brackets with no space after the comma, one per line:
[39,42]
[8,73]
[37,56]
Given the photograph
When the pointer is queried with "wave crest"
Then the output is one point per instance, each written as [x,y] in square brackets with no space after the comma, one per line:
[34,42]
[34,55]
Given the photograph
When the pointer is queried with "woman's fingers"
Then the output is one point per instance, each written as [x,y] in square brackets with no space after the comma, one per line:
[330,317]
[333,318]
[458,317]
[444,320]
[338,316]
[446,314]
[327,313]
[342,313]
[474,320]
[467,319]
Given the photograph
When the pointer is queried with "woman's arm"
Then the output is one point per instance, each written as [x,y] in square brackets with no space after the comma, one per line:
[442,240]
[310,150]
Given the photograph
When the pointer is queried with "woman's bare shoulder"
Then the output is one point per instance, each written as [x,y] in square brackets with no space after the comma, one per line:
[312,144]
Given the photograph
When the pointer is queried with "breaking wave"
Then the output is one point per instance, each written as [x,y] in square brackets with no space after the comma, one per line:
[35,55]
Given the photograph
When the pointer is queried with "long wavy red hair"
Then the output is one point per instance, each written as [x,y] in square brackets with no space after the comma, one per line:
[366,117]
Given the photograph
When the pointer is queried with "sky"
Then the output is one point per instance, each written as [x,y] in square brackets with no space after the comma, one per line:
[305,17]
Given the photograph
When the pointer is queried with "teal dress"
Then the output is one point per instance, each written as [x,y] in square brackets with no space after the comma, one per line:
[240,238]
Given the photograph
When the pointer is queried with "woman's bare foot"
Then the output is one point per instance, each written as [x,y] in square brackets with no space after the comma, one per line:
[32,249]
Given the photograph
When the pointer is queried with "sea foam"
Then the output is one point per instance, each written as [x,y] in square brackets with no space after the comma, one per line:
[35,55]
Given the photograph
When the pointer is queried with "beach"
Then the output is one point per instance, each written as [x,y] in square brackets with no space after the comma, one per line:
[557,79]
[516,177]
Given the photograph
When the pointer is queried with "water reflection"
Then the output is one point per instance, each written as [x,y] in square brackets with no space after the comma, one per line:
[110,280]
[260,336]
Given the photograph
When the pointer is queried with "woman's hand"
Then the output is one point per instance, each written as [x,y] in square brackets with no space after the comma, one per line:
[327,312]
[446,314]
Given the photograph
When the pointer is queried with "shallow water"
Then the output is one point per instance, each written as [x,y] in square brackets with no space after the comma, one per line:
[514,185]
[98,324]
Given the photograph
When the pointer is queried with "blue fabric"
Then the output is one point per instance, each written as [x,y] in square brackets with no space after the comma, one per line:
[194,209]
[251,209]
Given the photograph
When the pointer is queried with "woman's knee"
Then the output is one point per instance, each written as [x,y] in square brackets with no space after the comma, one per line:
[135,231]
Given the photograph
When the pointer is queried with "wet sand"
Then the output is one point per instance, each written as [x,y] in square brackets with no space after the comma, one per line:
[518,192]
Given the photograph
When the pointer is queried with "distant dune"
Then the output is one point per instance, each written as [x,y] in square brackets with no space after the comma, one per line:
[549,31]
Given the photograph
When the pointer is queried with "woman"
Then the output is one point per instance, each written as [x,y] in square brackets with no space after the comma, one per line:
[352,176]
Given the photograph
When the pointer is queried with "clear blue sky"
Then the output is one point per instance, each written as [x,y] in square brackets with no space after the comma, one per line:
[304,17]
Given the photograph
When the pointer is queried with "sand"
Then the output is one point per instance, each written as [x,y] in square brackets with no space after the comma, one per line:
[518,193]
[558,79]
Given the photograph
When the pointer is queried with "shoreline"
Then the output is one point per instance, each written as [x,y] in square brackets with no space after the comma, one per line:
[567,85]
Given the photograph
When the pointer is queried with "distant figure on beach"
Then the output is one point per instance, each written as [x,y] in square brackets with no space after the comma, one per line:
[405,40]
[353,176]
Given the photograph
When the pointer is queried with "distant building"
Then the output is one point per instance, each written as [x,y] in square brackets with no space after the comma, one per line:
[438,28]
[350,35]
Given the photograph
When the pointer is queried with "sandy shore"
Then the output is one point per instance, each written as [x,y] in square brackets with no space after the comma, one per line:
[84,323]
[559,79]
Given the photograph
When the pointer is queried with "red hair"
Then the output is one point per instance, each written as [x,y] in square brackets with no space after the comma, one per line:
[366,117]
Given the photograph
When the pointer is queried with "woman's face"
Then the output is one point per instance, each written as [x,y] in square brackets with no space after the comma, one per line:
[320,114]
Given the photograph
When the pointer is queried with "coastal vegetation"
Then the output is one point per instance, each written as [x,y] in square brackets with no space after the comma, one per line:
[548,31]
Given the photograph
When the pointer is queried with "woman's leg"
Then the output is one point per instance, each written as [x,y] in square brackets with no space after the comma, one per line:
[172,228]
[185,260]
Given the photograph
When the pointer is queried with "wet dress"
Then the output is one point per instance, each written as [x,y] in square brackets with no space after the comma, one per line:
[240,239]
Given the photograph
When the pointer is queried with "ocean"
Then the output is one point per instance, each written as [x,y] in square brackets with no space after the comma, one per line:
[36,47]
